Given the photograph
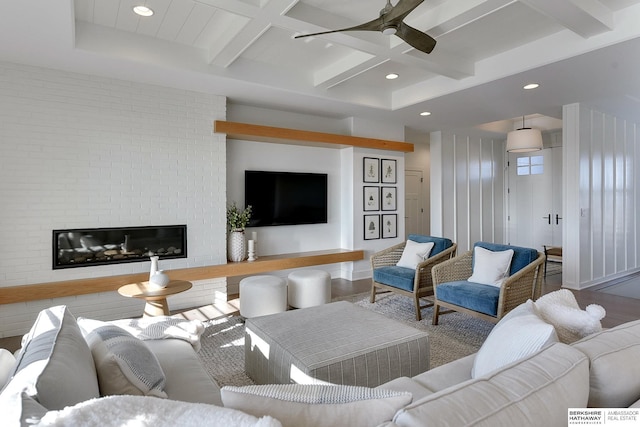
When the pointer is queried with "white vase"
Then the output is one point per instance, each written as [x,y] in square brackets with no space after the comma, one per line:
[159,279]
[154,266]
[236,246]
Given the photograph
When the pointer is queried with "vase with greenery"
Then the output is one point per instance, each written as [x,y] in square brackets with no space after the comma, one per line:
[237,220]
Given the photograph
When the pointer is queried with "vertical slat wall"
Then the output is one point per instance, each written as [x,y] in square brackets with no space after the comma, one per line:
[467,188]
[609,196]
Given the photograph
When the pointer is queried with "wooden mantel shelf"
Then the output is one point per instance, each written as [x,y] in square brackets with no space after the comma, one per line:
[43,291]
[261,133]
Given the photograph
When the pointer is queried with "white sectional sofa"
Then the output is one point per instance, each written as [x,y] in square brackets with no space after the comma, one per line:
[55,380]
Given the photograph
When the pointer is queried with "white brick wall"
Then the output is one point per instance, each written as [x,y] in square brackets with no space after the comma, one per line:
[78,151]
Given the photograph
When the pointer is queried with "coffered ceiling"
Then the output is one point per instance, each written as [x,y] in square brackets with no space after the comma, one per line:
[578,51]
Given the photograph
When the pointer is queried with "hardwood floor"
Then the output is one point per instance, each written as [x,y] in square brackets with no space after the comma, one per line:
[619,309]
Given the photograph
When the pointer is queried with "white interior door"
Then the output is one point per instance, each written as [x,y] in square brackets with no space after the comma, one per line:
[535,198]
[413,203]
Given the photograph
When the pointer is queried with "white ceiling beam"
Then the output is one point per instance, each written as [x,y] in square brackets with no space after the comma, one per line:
[347,68]
[585,17]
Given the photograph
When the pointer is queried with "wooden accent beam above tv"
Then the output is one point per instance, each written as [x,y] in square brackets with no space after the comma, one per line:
[261,133]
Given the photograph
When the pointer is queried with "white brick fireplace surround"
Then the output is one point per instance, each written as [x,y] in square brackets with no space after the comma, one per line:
[78,151]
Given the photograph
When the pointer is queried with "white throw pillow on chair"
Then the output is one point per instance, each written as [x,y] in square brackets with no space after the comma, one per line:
[414,253]
[489,267]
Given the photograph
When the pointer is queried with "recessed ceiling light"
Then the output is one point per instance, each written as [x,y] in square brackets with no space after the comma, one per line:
[392,76]
[531,86]
[425,113]
[143,10]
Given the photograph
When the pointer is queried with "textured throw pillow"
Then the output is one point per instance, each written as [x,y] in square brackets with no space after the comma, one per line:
[118,411]
[561,309]
[125,364]
[517,335]
[312,405]
[489,267]
[55,366]
[414,253]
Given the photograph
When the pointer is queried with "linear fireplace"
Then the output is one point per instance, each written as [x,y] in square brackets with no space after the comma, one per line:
[99,246]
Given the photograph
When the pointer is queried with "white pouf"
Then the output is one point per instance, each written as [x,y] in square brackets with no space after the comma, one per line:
[308,288]
[262,295]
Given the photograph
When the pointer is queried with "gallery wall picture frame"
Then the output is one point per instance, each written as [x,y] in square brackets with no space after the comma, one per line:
[371,198]
[389,226]
[388,198]
[371,227]
[389,171]
[370,169]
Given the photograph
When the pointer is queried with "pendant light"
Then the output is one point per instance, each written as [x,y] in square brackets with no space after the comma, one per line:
[524,140]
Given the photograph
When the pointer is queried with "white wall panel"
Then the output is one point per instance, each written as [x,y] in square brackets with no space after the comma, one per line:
[467,188]
[605,178]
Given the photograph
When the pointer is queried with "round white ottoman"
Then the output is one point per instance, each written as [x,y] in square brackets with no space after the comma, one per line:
[262,295]
[308,288]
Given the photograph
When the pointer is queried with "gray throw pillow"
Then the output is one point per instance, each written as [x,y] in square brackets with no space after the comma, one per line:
[125,364]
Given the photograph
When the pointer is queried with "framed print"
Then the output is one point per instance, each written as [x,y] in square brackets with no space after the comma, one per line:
[371,198]
[389,226]
[371,227]
[371,170]
[389,171]
[388,198]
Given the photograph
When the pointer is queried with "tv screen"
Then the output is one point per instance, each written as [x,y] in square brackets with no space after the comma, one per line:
[285,198]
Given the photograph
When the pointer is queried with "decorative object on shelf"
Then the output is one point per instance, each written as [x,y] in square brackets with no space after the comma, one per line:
[524,140]
[371,198]
[389,171]
[389,198]
[370,170]
[159,279]
[254,237]
[237,220]
[154,266]
[389,226]
[252,250]
[371,227]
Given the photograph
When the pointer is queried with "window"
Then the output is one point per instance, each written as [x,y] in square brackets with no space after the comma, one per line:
[530,165]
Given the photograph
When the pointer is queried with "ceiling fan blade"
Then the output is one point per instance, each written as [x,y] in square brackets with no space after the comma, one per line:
[417,39]
[374,25]
[402,9]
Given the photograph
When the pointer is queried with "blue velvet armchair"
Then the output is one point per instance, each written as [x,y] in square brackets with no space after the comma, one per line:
[489,302]
[414,283]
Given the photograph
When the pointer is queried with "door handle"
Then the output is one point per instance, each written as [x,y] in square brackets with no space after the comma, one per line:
[548,218]
[558,218]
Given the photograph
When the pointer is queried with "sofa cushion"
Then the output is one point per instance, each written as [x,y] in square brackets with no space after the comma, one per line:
[7,365]
[125,364]
[439,243]
[414,253]
[518,334]
[313,405]
[55,366]
[187,379]
[490,267]
[474,296]
[534,392]
[398,277]
[615,372]
[521,256]
[561,309]
[117,411]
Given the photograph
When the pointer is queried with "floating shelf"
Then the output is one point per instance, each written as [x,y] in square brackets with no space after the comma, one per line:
[261,133]
[50,290]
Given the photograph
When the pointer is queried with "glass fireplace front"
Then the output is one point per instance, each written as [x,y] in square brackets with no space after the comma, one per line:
[99,246]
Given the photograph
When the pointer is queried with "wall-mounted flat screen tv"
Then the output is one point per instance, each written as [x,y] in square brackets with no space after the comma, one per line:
[285,198]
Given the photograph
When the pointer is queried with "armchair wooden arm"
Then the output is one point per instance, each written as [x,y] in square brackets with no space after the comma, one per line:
[523,285]
[388,256]
[457,268]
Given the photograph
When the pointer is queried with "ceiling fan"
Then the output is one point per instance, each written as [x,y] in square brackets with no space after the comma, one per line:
[391,22]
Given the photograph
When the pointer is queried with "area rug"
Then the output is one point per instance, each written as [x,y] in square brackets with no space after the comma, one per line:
[456,336]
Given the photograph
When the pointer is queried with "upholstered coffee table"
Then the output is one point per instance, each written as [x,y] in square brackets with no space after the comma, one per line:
[337,343]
